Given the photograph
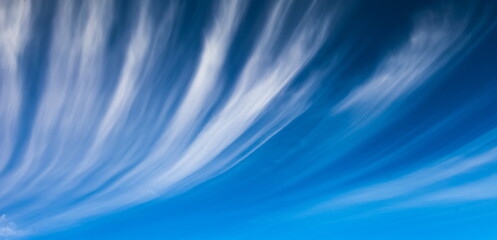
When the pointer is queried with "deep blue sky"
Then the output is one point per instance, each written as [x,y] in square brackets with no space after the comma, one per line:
[248,119]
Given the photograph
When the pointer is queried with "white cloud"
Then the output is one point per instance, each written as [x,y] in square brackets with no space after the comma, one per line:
[420,185]
[434,41]
[14,32]
[8,229]
[83,157]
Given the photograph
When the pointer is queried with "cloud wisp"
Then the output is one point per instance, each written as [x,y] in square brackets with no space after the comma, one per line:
[89,138]
[108,105]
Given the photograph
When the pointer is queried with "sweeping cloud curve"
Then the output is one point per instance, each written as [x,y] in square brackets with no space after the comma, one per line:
[116,111]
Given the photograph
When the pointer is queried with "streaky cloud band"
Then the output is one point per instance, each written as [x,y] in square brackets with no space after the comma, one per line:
[108,104]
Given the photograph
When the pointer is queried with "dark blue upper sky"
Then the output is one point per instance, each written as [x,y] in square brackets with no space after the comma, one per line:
[248,119]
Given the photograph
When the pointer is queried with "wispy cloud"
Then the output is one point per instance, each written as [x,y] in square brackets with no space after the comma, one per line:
[435,43]
[8,229]
[422,181]
[141,102]
[87,143]
[14,27]
[435,39]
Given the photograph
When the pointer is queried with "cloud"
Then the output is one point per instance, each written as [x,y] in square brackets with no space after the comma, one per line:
[419,187]
[14,27]
[137,104]
[435,39]
[8,229]
[102,138]
[435,43]
[483,189]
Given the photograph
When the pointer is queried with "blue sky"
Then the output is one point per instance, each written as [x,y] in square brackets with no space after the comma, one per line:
[248,119]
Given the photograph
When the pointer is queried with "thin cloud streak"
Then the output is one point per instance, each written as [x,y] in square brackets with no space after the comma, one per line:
[14,28]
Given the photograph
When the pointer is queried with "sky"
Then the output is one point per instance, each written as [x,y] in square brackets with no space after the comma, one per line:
[238,119]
